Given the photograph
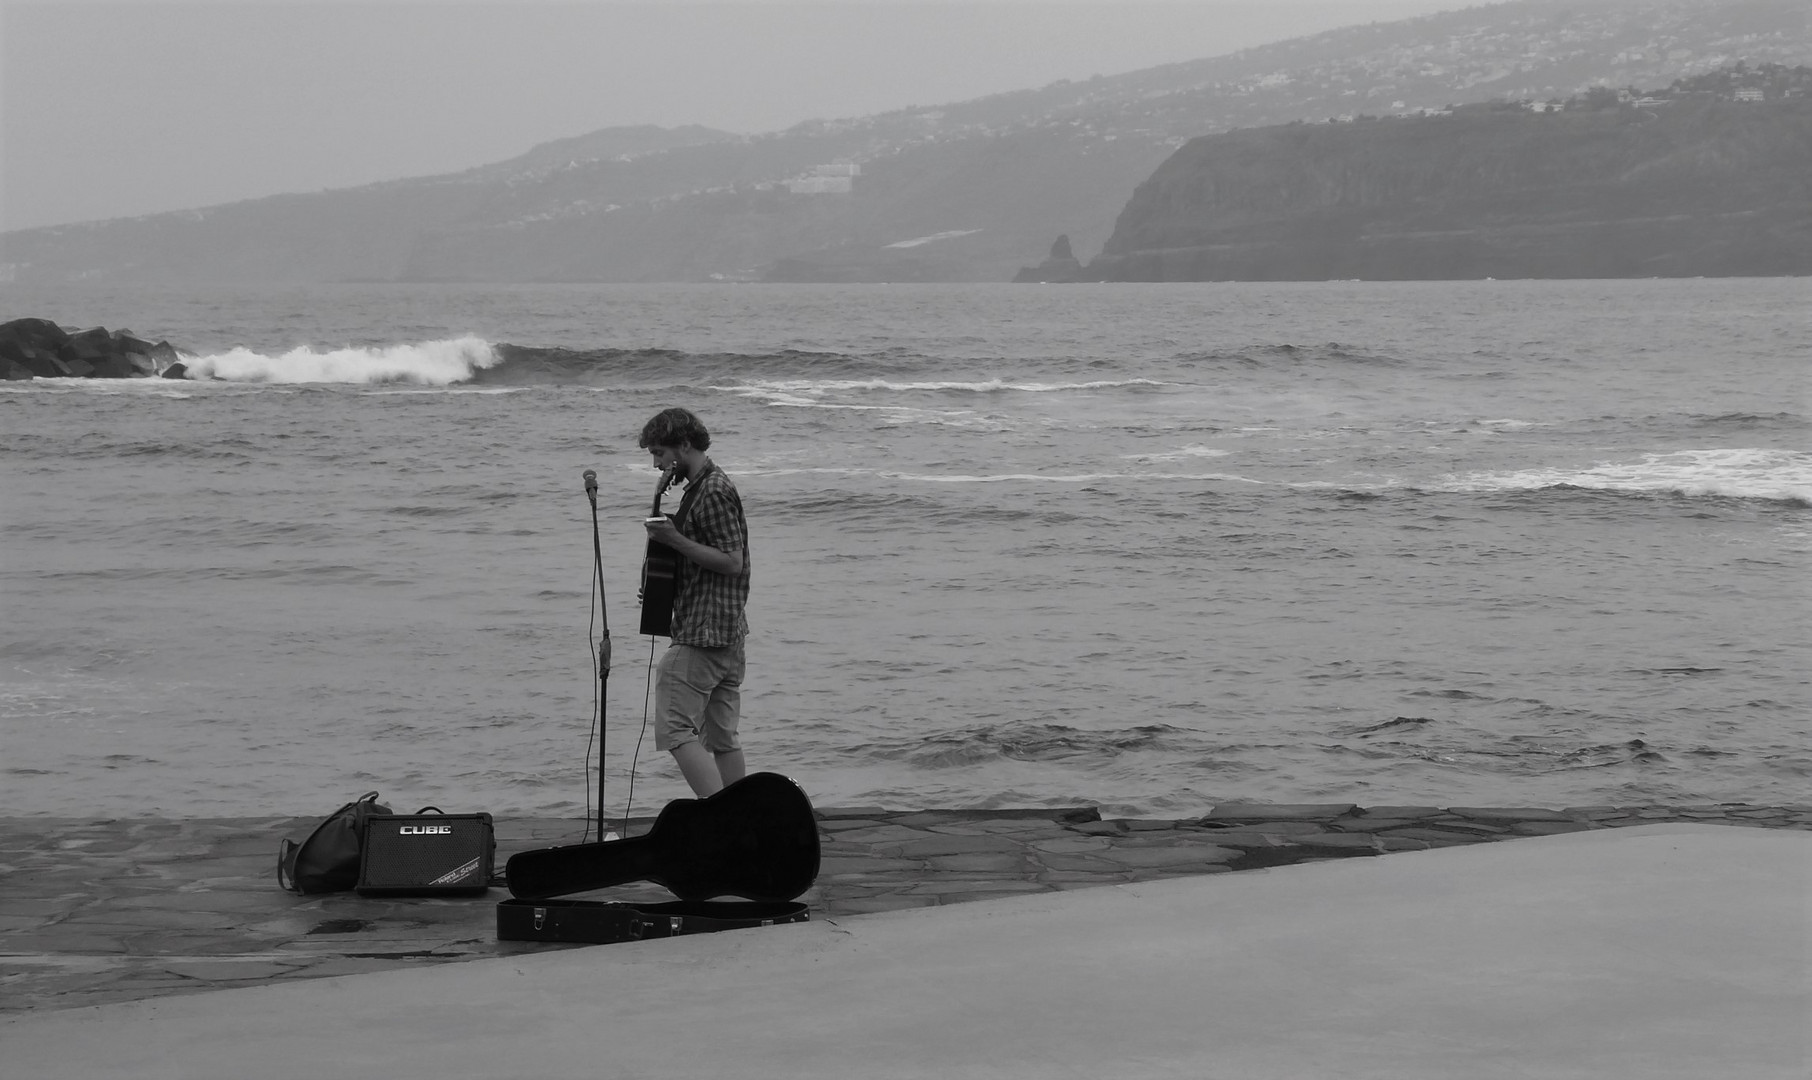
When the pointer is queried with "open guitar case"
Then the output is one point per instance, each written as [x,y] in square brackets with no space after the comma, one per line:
[757,839]
[604,922]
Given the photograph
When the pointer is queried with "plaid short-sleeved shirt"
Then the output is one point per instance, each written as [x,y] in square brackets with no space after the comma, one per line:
[708,608]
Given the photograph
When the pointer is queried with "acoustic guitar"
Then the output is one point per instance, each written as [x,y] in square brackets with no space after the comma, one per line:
[660,565]
[757,839]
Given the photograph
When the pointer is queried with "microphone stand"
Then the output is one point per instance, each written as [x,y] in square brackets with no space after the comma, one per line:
[597,556]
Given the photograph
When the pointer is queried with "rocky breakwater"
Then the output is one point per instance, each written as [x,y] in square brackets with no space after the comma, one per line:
[40,349]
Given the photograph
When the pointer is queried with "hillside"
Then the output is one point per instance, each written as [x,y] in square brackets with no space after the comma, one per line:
[1692,185]
[962,191]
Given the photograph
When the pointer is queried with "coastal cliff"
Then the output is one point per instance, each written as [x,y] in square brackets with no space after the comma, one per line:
[1692,186]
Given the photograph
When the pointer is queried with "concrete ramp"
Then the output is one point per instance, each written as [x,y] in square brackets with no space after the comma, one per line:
[1647,953]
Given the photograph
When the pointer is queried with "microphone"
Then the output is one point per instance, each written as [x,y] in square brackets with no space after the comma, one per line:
[591,487]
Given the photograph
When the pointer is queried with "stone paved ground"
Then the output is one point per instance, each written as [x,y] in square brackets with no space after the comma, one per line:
[93,912]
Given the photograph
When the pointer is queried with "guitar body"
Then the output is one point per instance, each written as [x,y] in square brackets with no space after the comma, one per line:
[659,583]
[660,570]
[757,839]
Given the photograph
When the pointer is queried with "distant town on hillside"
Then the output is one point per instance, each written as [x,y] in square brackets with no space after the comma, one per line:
[955,191]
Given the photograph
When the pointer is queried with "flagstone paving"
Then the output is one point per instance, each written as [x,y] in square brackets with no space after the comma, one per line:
[93,912]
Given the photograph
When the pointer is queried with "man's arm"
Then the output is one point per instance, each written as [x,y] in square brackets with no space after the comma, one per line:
[716,560]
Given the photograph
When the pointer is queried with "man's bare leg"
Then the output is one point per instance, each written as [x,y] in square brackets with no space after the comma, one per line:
[730,767]
[699,768]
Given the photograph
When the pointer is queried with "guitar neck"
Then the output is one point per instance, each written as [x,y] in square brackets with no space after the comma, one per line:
[667,480]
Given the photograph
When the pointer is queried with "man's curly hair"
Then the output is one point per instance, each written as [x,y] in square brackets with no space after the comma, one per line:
[671,427]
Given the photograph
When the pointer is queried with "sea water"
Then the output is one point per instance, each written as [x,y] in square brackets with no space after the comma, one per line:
[1146,547]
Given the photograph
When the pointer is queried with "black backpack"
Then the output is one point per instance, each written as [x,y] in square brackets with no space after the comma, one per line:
[328,861]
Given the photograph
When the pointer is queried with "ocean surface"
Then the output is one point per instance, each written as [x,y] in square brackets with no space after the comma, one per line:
[1146,547]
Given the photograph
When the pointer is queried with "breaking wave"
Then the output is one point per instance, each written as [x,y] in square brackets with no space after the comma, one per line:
[782,377]
[428,363]
[1749,473]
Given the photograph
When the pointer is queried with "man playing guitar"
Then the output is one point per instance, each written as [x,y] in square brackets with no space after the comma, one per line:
[698,686]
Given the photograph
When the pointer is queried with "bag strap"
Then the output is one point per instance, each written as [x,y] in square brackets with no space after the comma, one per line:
[684,513]
[286,866]
[693,490]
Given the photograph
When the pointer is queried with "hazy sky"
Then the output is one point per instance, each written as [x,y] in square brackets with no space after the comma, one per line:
[111,108]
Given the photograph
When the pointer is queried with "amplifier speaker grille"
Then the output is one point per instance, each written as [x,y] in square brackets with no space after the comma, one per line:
[427,855]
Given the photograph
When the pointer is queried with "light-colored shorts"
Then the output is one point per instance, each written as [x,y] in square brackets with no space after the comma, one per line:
[698,695]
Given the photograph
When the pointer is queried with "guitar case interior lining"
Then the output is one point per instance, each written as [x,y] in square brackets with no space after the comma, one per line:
[602,922]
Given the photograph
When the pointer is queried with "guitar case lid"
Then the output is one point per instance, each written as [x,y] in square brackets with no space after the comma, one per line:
[756,839]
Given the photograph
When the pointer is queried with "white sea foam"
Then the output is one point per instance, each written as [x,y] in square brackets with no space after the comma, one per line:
[1747,473]
[1193,450]
[1062,478]
[948,234]
[163,388]
[434,363]
[795,388]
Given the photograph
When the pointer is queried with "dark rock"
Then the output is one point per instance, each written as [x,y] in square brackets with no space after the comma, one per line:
[136,351]
[32,344]
[14,364]
[1080,815]
[33,331]
[87,345]
[112,366]
[178,370]
[46,364]
[1061,267]
[39,348]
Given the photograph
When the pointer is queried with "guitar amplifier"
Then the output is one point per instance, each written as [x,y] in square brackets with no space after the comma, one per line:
[426,855]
